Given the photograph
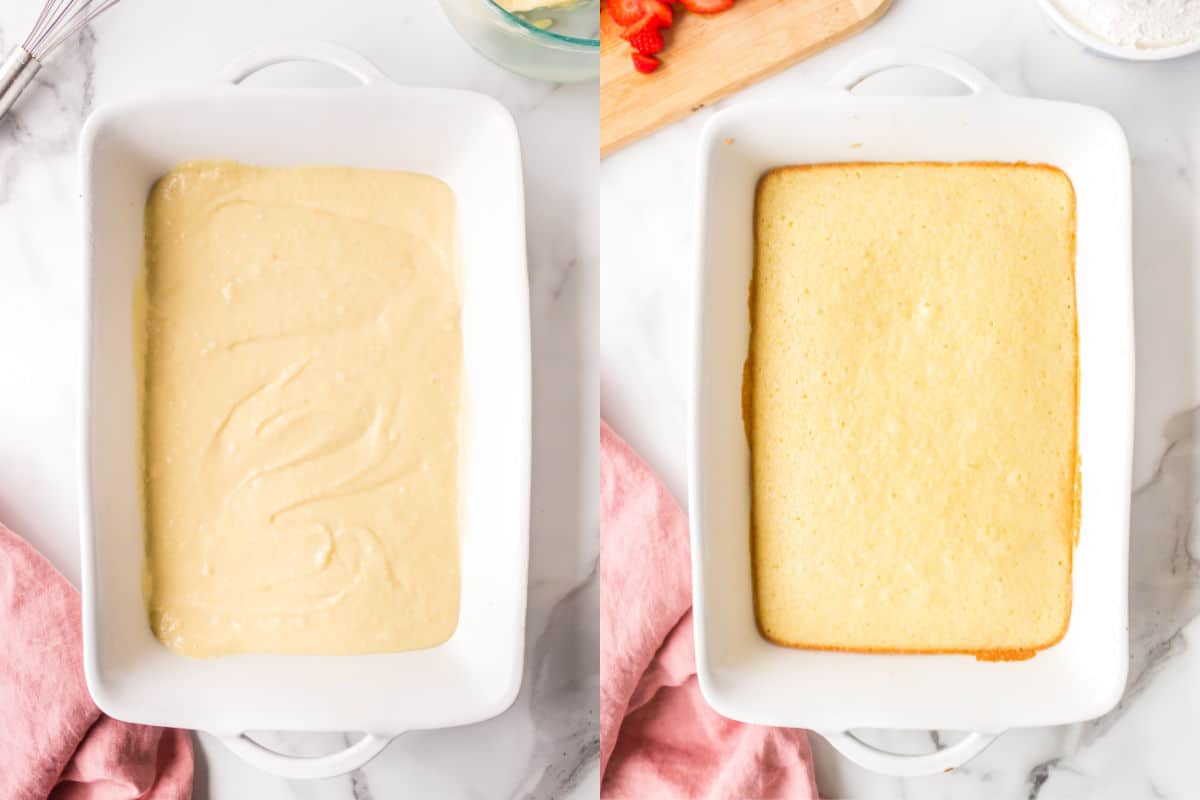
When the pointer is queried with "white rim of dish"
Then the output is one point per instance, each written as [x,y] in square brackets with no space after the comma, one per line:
[1127,53]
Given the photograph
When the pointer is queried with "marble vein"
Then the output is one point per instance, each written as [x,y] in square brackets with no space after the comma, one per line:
[1164,578]
[565,693]
[359,787]
[1038,777]
[45,123]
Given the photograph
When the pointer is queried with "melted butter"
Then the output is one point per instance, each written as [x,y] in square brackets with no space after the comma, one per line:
[300,350]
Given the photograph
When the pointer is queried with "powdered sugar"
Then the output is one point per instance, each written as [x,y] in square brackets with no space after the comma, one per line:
[1137,23]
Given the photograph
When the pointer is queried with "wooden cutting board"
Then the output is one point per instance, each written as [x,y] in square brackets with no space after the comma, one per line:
[707,58]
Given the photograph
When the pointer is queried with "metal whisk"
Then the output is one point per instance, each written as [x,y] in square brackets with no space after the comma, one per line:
[58,22]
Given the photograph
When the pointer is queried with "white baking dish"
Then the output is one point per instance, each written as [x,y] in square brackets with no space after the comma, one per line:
[741,674]
[470,142]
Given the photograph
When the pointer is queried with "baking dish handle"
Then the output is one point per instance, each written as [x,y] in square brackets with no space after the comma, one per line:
[900,765]
[887,58]
[306,767]
[333,55]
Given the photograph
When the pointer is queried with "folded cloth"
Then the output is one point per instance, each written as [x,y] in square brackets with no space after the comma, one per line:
[54,742]
[658,737]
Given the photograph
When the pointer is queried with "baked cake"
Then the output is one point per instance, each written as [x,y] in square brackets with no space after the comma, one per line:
[911,398]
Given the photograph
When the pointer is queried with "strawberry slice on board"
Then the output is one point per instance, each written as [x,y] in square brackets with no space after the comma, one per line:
[644,64]
[627,12]
[708,6]
[660,10]
[630,12]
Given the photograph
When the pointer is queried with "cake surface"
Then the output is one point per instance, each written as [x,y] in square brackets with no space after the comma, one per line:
[911,398]
[300,353]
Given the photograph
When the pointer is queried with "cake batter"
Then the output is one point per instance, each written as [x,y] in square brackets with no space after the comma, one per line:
[300,345]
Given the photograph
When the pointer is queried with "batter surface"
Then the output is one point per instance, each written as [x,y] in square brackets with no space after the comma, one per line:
[300,352]
[911,397]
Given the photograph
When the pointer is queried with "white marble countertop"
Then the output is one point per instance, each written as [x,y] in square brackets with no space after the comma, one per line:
[1147,747]
[547,744]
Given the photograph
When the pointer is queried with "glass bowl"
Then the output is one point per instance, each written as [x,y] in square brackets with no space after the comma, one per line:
[560,44]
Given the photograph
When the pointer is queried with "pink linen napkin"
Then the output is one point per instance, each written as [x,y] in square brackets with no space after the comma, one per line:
[54,742]
[658,737]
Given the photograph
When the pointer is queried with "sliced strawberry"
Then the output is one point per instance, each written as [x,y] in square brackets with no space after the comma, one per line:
[660,10]
[626,12]
[645,36]
[630,31]
[644,63]
[708,6]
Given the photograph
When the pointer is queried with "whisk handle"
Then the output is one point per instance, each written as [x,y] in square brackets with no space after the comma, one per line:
[334,55]
[15,74]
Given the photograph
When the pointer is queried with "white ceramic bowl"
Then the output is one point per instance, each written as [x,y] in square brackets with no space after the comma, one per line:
[741,674]
[470,142]
[1104,47]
